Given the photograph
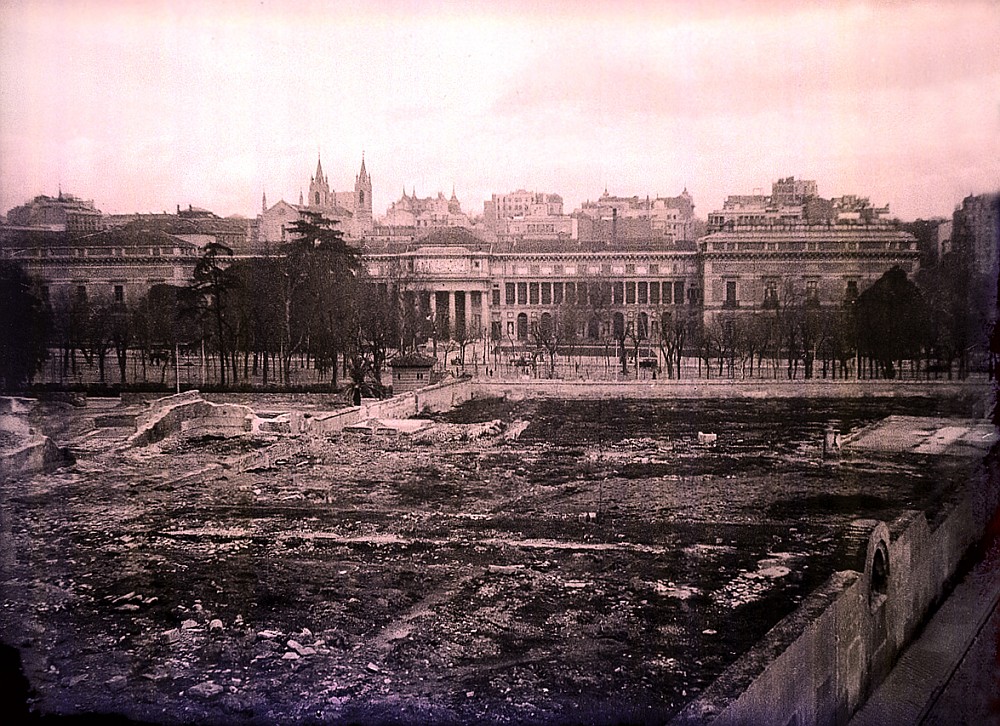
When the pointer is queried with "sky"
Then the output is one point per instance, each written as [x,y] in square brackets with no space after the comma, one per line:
[142,106]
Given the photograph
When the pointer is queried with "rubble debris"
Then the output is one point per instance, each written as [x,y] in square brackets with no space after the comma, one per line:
[206,689]
[515,429]
[389,426]
[706,439]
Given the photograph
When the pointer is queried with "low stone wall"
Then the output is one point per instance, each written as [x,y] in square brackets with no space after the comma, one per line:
[32,452]
[819,664]
[438,397]
[188,412]
[725,388]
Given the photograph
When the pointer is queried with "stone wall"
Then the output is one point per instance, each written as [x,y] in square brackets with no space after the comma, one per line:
[819,664]
[31,452]
[725,388]
[190,413]
[438,397]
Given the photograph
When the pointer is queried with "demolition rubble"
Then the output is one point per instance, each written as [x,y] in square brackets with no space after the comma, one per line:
[504,562]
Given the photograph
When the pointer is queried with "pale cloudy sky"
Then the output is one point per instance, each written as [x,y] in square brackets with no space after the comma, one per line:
[143,106]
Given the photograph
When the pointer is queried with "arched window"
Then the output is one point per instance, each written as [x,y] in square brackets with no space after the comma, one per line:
[361,198]
[317,199]
[522,326]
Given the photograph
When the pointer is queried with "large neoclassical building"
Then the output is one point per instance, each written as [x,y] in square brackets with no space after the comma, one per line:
[477,288]
[473,284]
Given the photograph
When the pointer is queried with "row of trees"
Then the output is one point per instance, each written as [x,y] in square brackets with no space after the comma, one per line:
[249,318]
[256,319]
[892,325]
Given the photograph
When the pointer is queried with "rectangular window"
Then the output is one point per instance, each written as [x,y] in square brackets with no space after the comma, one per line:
[546,293]
[533,293]
[510,293]
[119,293]
[730,301]
[679,293]
[557,293]
[852,290]
[629,269]
[81,292]
[643,293]
[654,293]
[496,297]
[693,294]
[476,298]
[571,293]
[618,290]
[812,293]
[654,269]
[770,292]
[630,293]
[522,293]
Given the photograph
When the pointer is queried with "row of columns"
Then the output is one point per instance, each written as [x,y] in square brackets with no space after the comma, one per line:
[453,297]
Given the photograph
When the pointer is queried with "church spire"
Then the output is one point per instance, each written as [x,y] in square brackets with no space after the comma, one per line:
[319,170]
[263,202]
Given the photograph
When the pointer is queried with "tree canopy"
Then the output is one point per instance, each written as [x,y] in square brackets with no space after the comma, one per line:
[24,328]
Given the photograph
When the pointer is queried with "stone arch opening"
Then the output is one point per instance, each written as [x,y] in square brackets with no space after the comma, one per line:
[878,589]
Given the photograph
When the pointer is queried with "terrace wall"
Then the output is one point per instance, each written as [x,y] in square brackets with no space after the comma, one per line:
[701,388]
[438,397]
[819,664]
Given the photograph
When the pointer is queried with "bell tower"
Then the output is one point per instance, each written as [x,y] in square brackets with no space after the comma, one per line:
[319,188]
[363,199]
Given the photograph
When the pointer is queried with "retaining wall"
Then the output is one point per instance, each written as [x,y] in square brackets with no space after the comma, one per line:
[819,664]
[725,388]
[33,452]
[438,397]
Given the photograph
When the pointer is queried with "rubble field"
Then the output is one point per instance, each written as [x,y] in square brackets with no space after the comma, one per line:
[529,562]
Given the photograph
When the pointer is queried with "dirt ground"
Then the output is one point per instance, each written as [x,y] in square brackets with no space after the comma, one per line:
[600,567]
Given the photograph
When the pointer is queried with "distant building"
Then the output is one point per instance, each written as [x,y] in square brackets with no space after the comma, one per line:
[976,232]
[526,215]
[351,210]
[794,201]
[195,225]
[944,233]
[63,213]
[667,218]
[118,264]
[424,214]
